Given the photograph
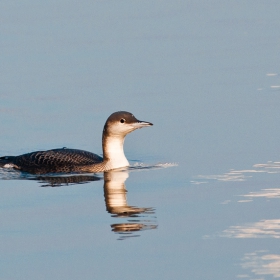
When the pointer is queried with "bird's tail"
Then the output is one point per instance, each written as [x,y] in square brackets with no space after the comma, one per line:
[6,160]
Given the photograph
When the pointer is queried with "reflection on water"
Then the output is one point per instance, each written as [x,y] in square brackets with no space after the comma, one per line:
[137,218]
[240,175]
[116,204]
[263,193]
[260,263]
[261,229]
[65,180]
[266,193]
[48,180]
[55,180]
[141,166]
[272,83]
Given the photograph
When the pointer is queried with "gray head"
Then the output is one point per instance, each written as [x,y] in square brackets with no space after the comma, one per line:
[121,123]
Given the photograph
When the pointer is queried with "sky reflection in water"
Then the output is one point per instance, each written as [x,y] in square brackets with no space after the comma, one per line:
[261,264]
[240,175]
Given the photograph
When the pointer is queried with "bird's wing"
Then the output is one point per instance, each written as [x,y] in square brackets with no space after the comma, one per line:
[57,160]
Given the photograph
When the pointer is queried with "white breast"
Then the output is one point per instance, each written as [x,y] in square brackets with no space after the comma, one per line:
[114,152]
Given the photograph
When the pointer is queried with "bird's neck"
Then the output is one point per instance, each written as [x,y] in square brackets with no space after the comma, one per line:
[113,153]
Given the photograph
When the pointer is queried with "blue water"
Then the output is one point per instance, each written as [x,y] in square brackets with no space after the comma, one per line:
[201,198]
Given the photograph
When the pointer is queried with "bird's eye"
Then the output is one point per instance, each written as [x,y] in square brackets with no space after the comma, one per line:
[122,120]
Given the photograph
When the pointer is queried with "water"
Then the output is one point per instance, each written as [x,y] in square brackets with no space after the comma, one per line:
[207,75]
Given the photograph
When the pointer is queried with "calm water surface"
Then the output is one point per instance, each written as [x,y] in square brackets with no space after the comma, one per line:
[201,200]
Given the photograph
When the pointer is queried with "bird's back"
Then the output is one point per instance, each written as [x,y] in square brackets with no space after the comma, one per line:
[52,161]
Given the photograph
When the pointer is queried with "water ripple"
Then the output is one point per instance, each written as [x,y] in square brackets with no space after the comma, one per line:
[240,175]
[261,229]
[261,263]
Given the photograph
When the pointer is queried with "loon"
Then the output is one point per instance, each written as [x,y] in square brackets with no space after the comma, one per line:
[65,160]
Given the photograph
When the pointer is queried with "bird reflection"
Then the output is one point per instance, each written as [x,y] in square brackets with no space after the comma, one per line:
[116,204]
[50,180]
[67,180]
[137,218]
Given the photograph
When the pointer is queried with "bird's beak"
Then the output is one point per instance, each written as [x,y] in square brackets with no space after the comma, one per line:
[140,124]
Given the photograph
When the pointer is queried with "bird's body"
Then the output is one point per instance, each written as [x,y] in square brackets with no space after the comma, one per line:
[52,161]
[64,160]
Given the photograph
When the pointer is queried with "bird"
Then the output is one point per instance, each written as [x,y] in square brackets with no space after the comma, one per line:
[64,160]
